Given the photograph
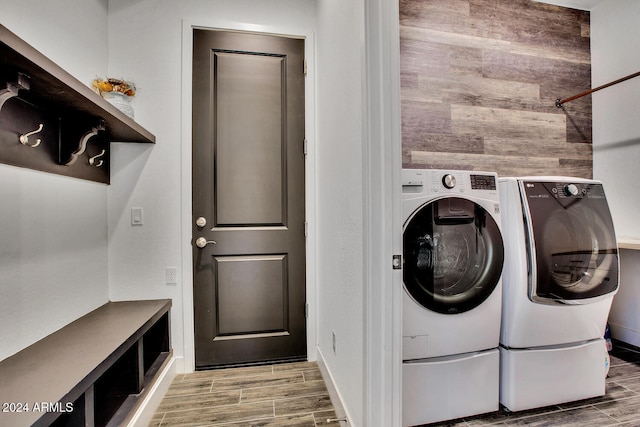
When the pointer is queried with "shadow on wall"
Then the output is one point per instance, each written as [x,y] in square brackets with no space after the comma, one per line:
[616,145]
[577,126]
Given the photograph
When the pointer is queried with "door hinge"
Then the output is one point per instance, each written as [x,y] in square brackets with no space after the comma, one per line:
[306,229]
[304,67]
[306,311]
[305,147]
[397,262]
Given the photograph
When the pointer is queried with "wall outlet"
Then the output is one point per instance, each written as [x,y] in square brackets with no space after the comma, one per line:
[333,341]
[171,275]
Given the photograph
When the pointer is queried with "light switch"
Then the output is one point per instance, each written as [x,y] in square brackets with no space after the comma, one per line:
[137,215]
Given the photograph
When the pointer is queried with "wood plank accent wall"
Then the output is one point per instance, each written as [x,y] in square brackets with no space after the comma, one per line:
[479,80]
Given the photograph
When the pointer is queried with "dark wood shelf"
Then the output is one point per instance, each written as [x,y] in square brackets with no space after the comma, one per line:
[78,125]
[55,86]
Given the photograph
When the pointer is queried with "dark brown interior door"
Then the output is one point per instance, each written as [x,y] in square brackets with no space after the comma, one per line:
[248,198]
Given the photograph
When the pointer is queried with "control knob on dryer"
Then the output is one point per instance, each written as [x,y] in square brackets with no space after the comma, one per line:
[449,181]
[571,190]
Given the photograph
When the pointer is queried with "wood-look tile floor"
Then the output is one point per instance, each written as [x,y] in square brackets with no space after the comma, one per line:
[295,395]
[620,406]
[284,395]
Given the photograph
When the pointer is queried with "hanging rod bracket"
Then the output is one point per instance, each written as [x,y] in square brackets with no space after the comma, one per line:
[559,103]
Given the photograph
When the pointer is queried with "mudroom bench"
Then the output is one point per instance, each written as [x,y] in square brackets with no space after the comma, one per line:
[92,372]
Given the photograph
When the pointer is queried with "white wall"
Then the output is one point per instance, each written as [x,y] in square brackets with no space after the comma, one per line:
[340,197]
[624,318]
[53,229]
[72,33]
[616,128]
[616,143]
[383,216]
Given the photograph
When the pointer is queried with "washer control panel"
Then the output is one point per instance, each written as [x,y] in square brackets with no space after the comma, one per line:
[449,181]
[483,182]
[434,181]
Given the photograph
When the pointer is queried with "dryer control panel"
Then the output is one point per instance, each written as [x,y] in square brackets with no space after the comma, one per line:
[564,192]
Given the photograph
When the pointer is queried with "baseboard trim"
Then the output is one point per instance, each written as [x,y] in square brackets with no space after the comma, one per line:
[619,344]
[625,334]
[143,415]
[334,394]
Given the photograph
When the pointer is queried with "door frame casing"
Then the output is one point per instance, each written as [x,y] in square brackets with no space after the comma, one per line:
[187,363]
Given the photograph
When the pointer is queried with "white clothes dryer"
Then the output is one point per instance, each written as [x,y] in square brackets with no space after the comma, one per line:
[560,276]
[452,266]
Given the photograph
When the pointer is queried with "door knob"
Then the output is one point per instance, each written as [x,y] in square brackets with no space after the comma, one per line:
[201,221]
[201,242]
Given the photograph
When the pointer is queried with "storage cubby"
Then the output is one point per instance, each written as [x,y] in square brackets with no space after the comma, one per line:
[94,371]
[113,388]
[155,344]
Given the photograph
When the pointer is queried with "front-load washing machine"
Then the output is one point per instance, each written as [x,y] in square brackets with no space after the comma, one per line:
[560,276]
[453,258]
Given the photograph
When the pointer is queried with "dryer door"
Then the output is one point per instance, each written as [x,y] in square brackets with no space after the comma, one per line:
[453,255]
[572,247]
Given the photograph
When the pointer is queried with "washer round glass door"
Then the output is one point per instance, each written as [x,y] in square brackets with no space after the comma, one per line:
[453,255]
[573,244]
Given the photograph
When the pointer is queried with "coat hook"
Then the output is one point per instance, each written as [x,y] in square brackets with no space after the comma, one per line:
[24,138]
[92,160]
[83,142]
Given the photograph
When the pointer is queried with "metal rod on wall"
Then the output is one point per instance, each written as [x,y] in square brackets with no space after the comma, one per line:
[560,102]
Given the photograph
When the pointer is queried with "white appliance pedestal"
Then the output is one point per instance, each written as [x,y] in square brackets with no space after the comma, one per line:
[532,378]
[445,388]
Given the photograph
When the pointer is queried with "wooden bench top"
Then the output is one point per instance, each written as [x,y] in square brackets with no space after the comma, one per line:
[61,366]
